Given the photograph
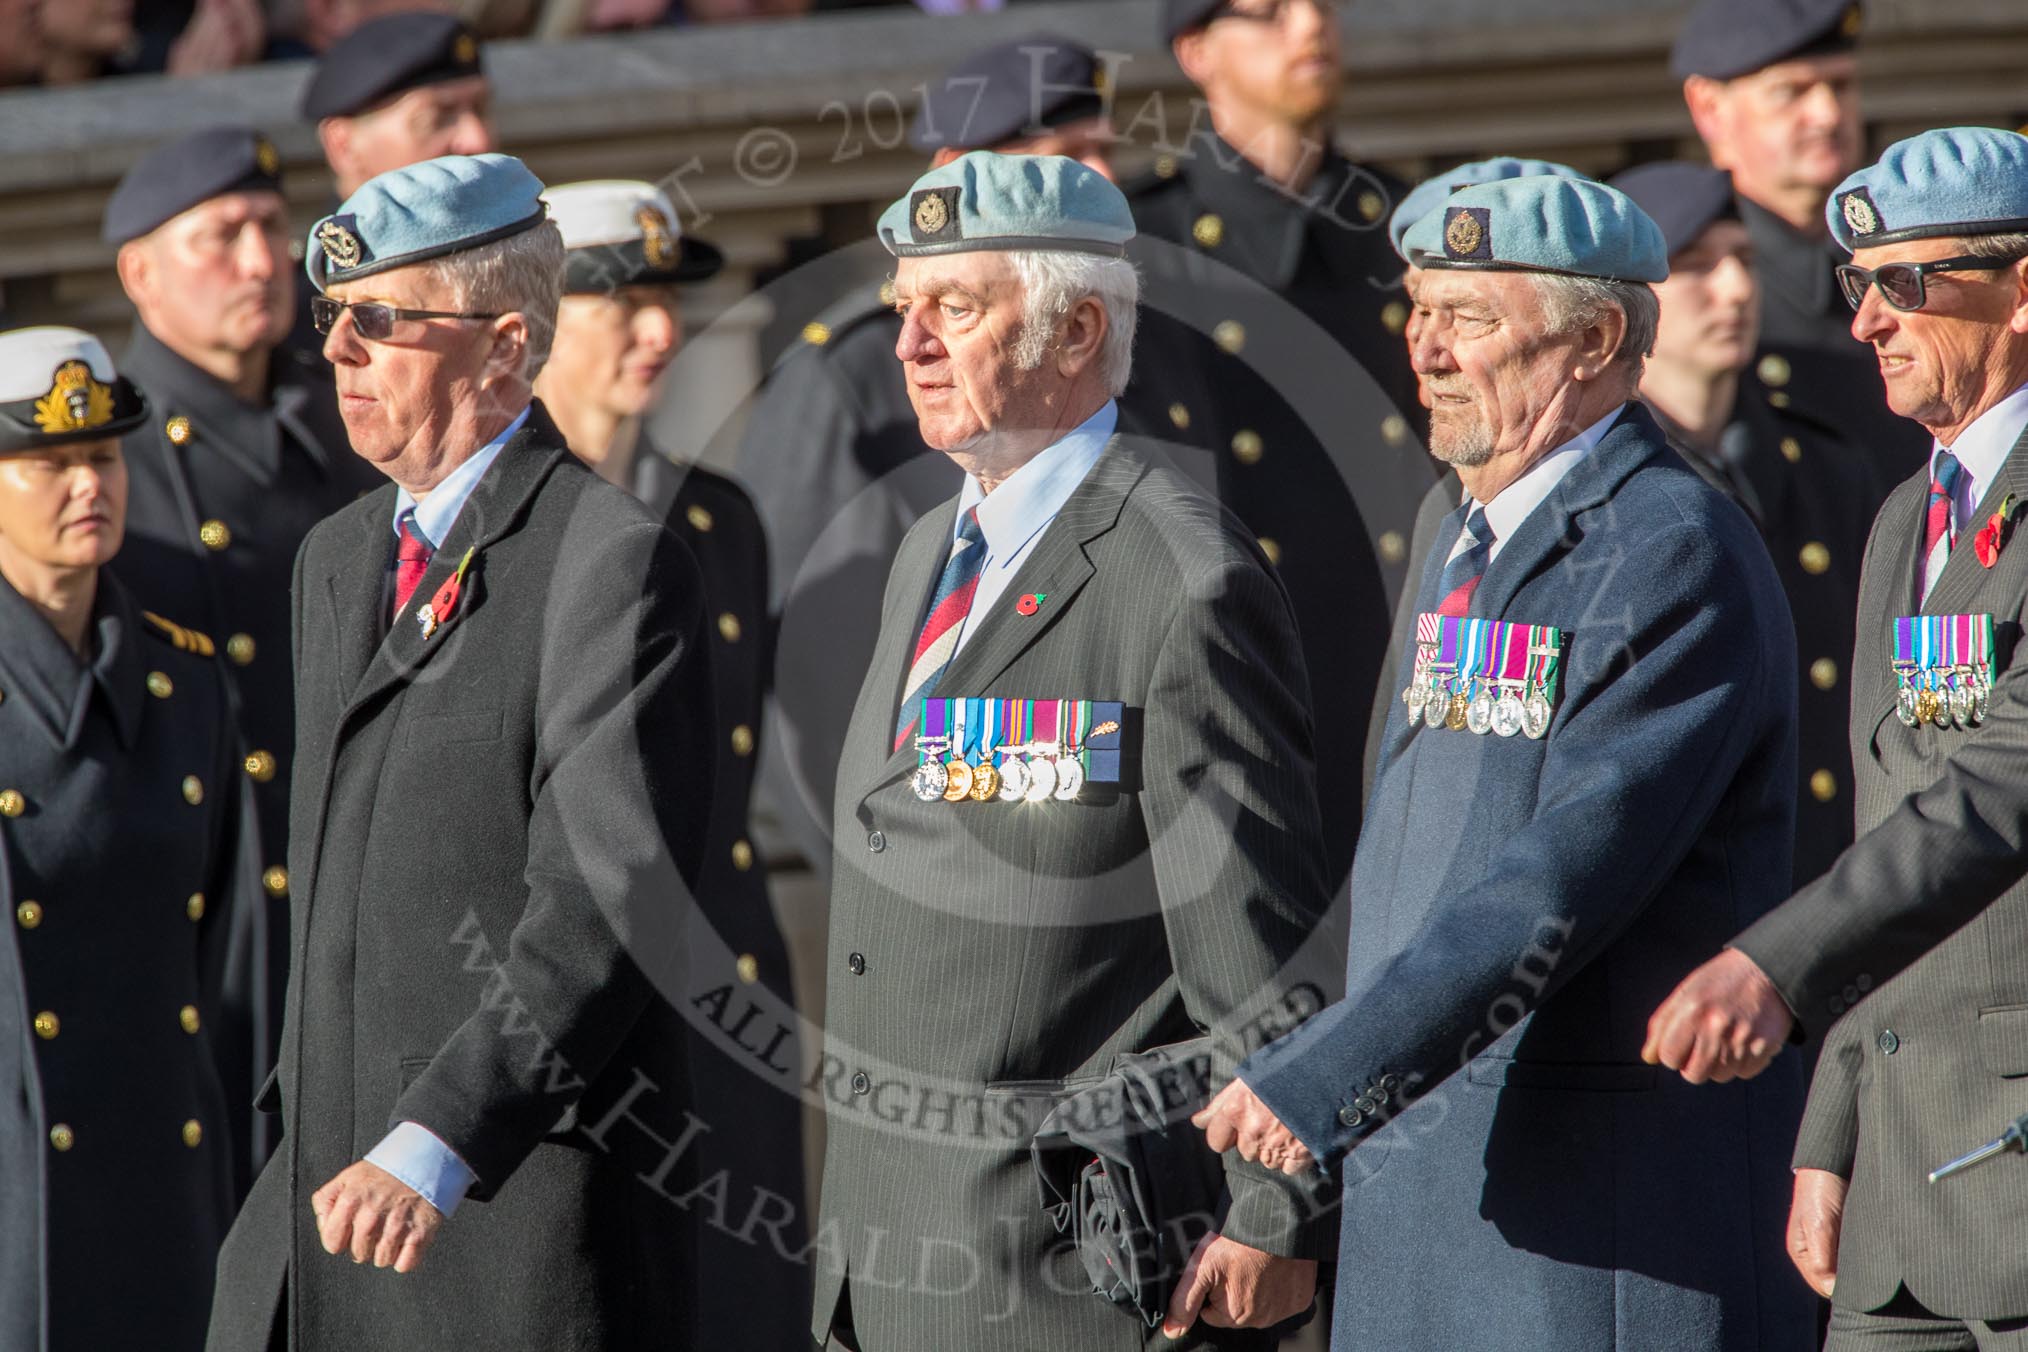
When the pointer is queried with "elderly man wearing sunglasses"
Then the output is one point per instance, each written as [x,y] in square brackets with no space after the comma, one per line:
[1916,942]
[504,767]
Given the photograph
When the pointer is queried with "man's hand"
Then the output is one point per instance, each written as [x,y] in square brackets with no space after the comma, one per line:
[1236,1118]
[1724,1021]
[1232,1286]
[371,1214]
[1815,1217]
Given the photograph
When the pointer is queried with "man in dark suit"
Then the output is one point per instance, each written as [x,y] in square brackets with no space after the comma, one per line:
[244,455]
[1812,496]
[1023,889]
[831,450]
[503,756]
[1922,1060]
[120,873]
[1507,1159]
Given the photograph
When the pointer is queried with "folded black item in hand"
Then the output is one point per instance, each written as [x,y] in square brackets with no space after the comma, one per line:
[1124,1172]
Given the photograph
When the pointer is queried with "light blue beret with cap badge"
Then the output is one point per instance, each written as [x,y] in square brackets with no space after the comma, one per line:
[423,211]
[1544,223]
[1424,196]
[1952,181]
[985,200]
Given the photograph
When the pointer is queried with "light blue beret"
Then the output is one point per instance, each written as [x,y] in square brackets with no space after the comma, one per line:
[1544,223]
[423,211]
[1953,181]
[1422,198]
[987,201]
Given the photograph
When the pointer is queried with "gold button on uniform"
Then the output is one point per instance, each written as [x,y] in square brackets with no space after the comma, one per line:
[1371,204]
[61,1138]
[698,517]
[1393,549]
[1824,786]
[1208,231]
[1165,166]
[1773,369]
[742,855]
[742,740]
[816,334]
[12,804]
[1229,334]
[47,1025]
[1246,447]
[1394,429]
[1271,549]
[276,881]
[240,648]
[1823,673]
[1779,399]
[1394,317]
[260,766]
[748,968]
[29,913]
[160,686]
[194,908]
[193,790]
[187,1016]
[193,1133]
[1179,415]
[178,429]
[728,627]
[1792,450]
[215,534]
[1814,557]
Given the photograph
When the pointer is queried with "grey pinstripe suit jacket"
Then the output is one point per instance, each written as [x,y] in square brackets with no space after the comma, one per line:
[986,957]
[1934,1060]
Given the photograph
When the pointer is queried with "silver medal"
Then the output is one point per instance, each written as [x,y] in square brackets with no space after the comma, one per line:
[1961,705]
[1507,714]
[1940,714]
[1013,779]
[1413,697]
[1904,706]
[1535,713]
[931,779]
[1069,778]
[1041,779]
[1981,703]
[1479,714]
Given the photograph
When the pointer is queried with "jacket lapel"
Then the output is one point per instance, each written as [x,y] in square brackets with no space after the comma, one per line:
[1963,575]
[494,508]
[1899,526]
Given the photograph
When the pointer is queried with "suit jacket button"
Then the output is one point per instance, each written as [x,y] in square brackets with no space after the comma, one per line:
[860,1084]
[1888,1042]
[857,962]
[1836,1005]
[876,841]
[1390,1083]
[1350,1117]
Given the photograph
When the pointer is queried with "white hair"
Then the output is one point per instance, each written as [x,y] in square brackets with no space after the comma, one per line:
[1997,246]
[1570,304]
[1053,281]
[519,274]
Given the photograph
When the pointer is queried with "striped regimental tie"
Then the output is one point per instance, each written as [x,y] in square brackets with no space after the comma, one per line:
[946,620]
[1939,534]
[1467,564]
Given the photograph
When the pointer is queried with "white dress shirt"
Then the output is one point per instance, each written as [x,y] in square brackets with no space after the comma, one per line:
[1981,449]
[1513,505]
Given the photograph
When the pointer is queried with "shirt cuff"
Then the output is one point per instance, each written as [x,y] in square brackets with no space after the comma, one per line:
[413,1154]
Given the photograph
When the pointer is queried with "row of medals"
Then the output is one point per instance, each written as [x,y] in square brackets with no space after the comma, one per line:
[1962,703]
[1031,773]
[1438,704]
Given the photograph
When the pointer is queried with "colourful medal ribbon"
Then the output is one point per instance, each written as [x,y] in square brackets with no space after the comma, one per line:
[1512,670]
[1077,728]
[960,716]
[935,727]
[1046,712]
[1474,655]
[1545,659]
[973,728]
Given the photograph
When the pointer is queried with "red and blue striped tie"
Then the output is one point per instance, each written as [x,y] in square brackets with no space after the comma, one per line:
[1938,537]
[1461,575]
[938,641]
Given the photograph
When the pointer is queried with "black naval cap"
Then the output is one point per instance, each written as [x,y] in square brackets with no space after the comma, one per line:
[1180,16]
[1724,39]
[1684,199]
[389,56]
[171,179]
[1009,90]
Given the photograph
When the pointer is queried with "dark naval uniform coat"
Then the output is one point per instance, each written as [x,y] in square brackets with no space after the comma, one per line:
[221,494]
[986,958]
[494,831]
[1271,341]
[1927,1063]
[120,815]
[839,473]
[1814,499]
[742,1048]
[1519,907]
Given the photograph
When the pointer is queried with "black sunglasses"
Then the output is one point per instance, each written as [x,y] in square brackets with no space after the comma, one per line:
[373,320]
[1901,284]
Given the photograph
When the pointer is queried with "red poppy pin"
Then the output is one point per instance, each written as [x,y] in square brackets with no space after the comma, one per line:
[445,603]
[1031,603]
[1992,536]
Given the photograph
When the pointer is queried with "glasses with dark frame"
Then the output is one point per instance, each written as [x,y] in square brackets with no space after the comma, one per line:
[373,320]
[1901,284]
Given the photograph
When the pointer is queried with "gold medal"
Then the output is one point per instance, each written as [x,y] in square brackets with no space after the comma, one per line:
[1925,706]
[959,780]
[985,782]
[1454,717]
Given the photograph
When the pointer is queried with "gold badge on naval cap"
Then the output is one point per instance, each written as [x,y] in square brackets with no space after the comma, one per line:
[657,243]
[1860,213]
[465,50]
[265,158]
[76,401]
[340,245]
